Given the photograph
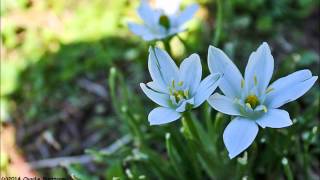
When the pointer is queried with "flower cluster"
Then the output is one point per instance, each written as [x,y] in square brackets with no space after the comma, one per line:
[250,99]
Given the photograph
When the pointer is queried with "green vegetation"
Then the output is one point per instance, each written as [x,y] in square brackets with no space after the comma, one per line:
[70,74]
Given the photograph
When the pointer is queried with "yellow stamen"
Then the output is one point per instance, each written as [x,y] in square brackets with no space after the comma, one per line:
[269,90]
[248,105]
[186,93]
[255,80]
[242,83]
[264,108]
[178,95]
[252,100]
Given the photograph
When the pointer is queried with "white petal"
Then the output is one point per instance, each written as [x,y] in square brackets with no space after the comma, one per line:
[137,28]
[206,88]
[175,30]
[275,118]
[162,115]
[219,62]
[156,87]
[239,135]
[224,104]
[191,72]
[169,7]
[159,98]
[259,68]
[142,31]
[183,105]
[289,88]
[187,14]
[162,68]
[149,16]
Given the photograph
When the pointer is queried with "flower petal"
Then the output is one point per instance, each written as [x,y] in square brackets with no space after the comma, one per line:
[289,88]
[156,87]
[183,105]
[259,68]
[169,7]
[142,31]
[187,14]
[175,30]
[162,68]
[275,118]
[224,104]
[238,135]
[219,62]
[147,14]
[191,72]
[162,115]
[159,98]
[206,88]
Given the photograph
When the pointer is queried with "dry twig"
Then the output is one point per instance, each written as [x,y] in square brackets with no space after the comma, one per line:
[81,159]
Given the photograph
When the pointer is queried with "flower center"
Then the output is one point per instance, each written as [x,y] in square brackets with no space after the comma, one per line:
[164,21]
[252,100]
[178,94]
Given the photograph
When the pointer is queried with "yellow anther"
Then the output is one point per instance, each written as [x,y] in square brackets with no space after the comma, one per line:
[242,83]
[173,84]
[269,90]
[264,108]
[179,95]
[252,100]
[255,80]
[186,93]
[248,105]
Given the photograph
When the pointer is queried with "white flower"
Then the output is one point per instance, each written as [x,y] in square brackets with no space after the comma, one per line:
[161,22]
[169,7]
[176,89]
[250,99]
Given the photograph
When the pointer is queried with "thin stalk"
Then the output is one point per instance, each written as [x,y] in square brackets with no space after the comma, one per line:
[174,157]
[167,47]
[189,126]
[207,116]
[219,17]
[287,168]
[187,48]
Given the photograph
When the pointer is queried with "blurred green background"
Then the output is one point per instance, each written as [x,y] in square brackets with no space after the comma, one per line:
[70,74]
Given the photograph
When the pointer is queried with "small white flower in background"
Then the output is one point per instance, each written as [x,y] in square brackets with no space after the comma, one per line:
[250,99]
[163,21]
[176,89]
[169,7]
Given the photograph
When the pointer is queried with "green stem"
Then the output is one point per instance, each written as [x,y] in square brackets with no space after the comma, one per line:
[219,17]
[174,157]
[152,44]
[287,168]
[189,126]
[166,44]
[187,48]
